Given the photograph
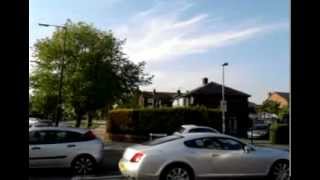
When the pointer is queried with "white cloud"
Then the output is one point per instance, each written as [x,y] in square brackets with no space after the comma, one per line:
[158,34]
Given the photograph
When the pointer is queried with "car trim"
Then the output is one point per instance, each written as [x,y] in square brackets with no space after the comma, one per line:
[50,157]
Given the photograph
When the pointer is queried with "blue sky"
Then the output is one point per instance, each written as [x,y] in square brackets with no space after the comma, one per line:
[183,41]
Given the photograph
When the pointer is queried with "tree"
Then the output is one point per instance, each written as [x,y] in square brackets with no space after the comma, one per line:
[131,101]
[284,114]
[270,107]
[97,72]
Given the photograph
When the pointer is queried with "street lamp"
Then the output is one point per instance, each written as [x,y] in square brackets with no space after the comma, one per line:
[59,107]
[223,102]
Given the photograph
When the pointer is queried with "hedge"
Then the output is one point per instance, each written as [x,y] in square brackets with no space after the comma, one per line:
[279,133]
[160,120]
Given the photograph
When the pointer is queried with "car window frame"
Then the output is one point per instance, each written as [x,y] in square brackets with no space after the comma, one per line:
[241,143]
[216,138]
[63,141]
[185,143]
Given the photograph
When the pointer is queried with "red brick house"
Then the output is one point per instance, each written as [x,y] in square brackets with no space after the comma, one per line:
[210,95]
[280,97]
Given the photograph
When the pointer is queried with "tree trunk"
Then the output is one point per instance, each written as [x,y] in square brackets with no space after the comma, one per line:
[90,117]
[78,120]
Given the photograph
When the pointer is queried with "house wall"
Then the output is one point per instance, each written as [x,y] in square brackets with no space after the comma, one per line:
[237,115]
[276,98]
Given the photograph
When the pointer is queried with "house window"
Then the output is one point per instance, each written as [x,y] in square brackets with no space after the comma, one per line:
[180,102]
[186,102]
[191,100]
[150,100]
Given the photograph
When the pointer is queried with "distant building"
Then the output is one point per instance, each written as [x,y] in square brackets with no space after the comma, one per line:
[280,97]
[210,95]
[156,99]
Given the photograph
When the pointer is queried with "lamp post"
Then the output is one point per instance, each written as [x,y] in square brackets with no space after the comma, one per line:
[59,107]
[223,102]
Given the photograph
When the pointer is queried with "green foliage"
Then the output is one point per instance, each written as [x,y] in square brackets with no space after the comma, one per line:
[284,113]
[96,71]
[279,133]
[160,120]
[270,107]
[44,106]
[132,101]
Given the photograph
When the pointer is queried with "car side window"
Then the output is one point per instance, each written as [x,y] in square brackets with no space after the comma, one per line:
[205,143]
[74,137]
[35,137]
[47,137]
[230,144]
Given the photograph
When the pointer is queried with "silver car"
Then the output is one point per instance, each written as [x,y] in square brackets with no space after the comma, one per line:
[258,132]
[51,147]
[202,155]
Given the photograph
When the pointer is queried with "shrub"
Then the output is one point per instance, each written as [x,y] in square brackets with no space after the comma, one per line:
[161,120]
[279,133]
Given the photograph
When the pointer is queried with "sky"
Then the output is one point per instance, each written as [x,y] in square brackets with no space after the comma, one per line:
[183,41]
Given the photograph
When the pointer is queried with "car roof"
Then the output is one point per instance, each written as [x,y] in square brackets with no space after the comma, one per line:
[187,126]
[79,130]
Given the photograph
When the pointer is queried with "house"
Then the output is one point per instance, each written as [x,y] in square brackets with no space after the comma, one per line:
[156,99]
[280,97]
[210,95]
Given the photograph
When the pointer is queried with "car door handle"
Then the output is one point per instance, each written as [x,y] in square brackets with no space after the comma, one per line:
[35,148]
[214,155]
[71,145]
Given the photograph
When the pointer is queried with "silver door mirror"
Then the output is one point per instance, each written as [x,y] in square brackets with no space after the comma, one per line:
[248,148]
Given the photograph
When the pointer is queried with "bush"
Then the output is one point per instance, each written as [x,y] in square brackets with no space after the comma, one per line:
[279,133]
[161,120]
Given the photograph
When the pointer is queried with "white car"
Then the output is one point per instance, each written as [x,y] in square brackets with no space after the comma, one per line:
[51,147]
[190,128]
[202,155]
[258,132]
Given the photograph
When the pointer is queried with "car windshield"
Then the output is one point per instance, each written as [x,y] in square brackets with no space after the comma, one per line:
[162,140]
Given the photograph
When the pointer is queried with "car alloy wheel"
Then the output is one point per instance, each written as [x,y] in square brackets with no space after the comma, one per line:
[280,171]
[83,165]
[178,173]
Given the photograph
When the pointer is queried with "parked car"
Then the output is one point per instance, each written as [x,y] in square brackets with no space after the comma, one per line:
[46,123]
[51,147]
[190,128]
[259,132]
[41,123]
[202,155]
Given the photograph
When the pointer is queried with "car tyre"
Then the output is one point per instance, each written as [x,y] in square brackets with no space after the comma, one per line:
[280,170]
[178,171]
[83,164]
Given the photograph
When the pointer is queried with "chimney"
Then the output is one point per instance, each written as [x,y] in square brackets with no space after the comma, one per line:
[179,92]
[205,81]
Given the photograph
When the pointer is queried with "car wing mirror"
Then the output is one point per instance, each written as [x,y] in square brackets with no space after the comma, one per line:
[248,149]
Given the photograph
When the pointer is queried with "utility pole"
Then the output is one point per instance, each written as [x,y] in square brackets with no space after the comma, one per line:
[59,116]
[223,102]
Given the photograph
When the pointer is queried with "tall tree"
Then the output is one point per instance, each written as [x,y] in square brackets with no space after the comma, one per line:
[270,107]
[97,72]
